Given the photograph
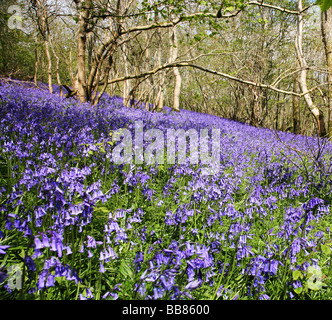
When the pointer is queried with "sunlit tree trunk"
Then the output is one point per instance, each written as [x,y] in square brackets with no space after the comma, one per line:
[36,61]
[296,104]
[49,62]
[159,103]
[178,79]
[81,49]
[303,74]
[148,82]
[326,27]
[57,68]
[126,84]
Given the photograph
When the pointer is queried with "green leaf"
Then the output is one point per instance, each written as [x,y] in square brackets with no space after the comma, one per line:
[102,209]
[324,4]
[326,249]
[298,290]
[125,270]
[297,274]
[239,278]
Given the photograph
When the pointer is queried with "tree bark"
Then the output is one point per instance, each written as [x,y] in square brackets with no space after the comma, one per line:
[57,68]
[81,50]
[107,73]
[127,83]
[319,116]
[36,61]
[148,82]
[326,27]
[159,103]
[41,14]
[296,104]
[49,61]
[254,105]
[178,79]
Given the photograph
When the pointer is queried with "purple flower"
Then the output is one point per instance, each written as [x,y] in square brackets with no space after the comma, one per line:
[50,281]
[192,285]
[157,293]
[91,242]
[68,250]
[236,297]
[3,248]
[46,242]
[3,276]
[102,269]
[38,243]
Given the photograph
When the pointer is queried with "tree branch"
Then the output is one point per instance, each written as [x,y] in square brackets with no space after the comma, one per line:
[267,5]
[221,74]
[169,24]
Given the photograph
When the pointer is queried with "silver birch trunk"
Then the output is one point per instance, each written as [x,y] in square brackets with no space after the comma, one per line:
[159,103]
[126,84]
[57,67]
[303,73]
[326,27]
[178,79]
[36,61]
[49,62]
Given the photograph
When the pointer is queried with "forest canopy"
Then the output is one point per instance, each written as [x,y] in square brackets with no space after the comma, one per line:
[266,63]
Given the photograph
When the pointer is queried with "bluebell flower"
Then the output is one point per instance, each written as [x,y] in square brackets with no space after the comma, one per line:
[157,293]
[3,248]
[192,285]
[50,281]
[81,249]
[38,243]
[3,275]
[68,250]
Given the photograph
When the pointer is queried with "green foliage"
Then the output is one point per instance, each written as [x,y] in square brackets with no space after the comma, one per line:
[324,4]
[16,48]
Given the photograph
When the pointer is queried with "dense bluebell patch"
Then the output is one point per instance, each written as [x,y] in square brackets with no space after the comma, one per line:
[81,227]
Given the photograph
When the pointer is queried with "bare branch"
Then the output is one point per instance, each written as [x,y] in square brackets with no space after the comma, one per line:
[182,18]
[188,63]
[267,5]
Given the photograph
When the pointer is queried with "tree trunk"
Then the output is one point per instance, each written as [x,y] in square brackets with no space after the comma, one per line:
[49,61]
[326,27]
[126,84]
[90,44]
[107,73]
[36,61]
[148,82]
[178,79]
[73,81]
[81,51]
[159,103]
[57,68]
[296,104]
[254,108]
[303,73]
